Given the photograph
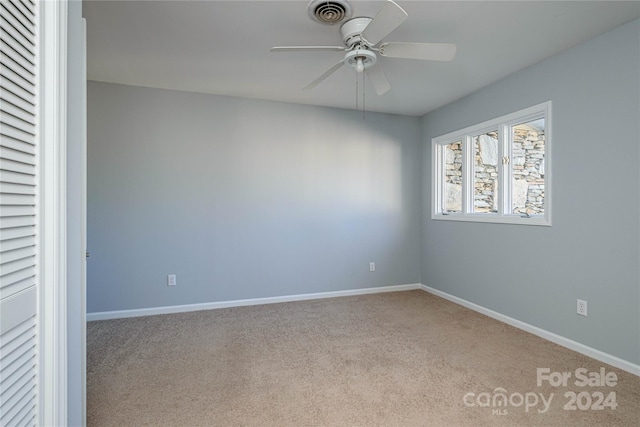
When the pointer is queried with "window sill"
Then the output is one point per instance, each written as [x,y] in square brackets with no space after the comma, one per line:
[539,220]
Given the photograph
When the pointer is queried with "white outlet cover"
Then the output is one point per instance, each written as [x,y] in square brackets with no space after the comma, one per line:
[582,307]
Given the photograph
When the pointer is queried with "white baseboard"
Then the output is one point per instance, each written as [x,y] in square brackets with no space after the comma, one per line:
[119,314]
[550,336]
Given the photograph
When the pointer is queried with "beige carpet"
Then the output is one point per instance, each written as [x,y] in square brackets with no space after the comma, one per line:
[394,359]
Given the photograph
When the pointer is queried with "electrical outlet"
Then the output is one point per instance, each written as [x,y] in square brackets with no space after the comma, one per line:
[582,307]
[171,280]
[372,266]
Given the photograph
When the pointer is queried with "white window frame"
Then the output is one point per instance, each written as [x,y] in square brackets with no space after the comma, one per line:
[502,125]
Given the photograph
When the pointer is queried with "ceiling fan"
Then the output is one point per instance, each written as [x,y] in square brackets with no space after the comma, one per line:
[362,37]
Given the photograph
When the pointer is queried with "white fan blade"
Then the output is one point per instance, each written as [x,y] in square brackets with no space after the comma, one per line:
[378,78]
[307,48]
[388,19]
[424,51]
[326,74]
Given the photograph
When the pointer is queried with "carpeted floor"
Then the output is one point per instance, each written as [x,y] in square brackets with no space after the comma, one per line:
[392,359]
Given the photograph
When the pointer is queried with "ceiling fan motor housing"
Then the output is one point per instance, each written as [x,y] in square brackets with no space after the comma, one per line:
[352,30]
[329,11]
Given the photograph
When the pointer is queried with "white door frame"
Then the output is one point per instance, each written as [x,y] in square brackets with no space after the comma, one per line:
[52,137]
[83,273]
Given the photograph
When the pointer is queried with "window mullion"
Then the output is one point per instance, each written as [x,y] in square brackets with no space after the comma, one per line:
[467,175]
[509,170]
[504,156]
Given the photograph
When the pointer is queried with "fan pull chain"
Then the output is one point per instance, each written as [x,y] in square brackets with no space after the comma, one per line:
[356,91]
[363,92]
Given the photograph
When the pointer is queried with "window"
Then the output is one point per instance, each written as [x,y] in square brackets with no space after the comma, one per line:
[496,171]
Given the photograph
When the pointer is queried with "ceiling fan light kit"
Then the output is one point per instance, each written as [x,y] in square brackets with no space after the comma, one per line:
[360,59]
[362,37]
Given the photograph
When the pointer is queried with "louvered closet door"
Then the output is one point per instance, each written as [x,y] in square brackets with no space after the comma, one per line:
[18,207]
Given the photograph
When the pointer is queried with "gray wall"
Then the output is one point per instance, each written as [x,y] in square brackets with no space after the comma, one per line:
[535,274]
[244,198]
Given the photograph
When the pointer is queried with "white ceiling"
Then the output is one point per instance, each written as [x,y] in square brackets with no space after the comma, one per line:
[222,47]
